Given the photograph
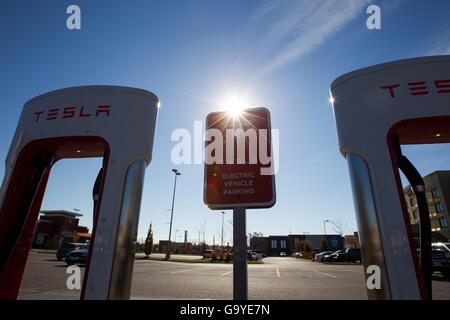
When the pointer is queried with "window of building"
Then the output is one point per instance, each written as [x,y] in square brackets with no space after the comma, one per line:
[413,201]
[274,244]
[435,193]
[439,207]
[434,224]
[283,244]
[443,223]
[415,214]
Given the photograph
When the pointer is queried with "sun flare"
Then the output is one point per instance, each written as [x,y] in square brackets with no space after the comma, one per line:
[234,105]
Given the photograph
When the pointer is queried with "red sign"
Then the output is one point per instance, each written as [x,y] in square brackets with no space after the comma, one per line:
[71,112]
[238,160]
[419,88]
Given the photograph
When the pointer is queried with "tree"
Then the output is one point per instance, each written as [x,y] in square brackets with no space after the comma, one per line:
[306,246]
[149,242]
[324,245]
[339,227]
[297,245]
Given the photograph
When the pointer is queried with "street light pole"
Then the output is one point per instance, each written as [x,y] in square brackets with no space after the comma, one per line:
[223,215]
[325,232]
[324,228]
[177,173]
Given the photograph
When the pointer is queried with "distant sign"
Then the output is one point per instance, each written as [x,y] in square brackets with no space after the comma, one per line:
[239,161]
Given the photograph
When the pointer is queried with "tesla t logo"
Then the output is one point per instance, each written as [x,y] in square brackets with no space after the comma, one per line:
[419,88]
[72,112]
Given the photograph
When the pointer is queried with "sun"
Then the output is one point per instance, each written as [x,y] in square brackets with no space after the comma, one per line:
[235,104]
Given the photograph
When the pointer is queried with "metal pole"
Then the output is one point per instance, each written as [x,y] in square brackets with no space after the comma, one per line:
[171,217]
[325,234]
[240,279]
[223,215]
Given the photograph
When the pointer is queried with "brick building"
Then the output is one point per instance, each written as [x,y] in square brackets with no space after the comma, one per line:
[55,227]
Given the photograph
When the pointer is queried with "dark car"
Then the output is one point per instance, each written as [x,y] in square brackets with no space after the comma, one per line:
[330,257]
[353,255]
[67,247]
[339,256]
[78,256]
[347,255]
[440,255]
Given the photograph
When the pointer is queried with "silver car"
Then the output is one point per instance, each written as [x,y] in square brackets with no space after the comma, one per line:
[319,257]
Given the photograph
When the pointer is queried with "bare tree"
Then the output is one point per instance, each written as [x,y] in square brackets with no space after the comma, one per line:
[339,226]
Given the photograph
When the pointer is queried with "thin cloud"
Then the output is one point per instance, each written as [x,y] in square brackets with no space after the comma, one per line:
[440,42]
[302,26]
[442,48]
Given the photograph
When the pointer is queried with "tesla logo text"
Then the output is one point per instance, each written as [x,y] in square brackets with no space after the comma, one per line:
[72,112]
[419,88]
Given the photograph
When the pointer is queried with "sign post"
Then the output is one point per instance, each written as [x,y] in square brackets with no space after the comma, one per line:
[239,175]
[240,278]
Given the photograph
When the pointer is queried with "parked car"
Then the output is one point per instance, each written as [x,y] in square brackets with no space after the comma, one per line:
[330,257]
[339,256]
[207,254]
[319,257]
[78,256]
[259,252]
[65,248]
[253,256]
[440,256]
[353,255]
[283,254]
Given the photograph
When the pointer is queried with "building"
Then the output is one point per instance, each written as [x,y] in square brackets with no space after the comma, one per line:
[55,227]
[82,235]
[278,244]
[274,245]
[437,189]
[259,244]
[333,241]
[351,241]
[176,247]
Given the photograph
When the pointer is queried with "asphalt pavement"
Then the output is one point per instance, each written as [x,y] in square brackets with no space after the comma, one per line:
[278,278]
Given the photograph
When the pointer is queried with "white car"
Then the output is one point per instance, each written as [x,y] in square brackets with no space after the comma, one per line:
[283,254]
[319,257]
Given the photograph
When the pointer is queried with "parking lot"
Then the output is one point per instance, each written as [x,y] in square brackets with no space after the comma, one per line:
[277,278]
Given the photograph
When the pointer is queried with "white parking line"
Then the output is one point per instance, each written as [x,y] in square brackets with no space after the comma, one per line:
[325,274]
[180,271]
[226,273]
[278,273]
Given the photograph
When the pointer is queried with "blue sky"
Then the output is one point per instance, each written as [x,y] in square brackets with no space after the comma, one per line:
[283,54]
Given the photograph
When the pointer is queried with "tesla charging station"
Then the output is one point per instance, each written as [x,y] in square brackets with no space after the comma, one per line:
[116,123]
[377,110]
[237,176]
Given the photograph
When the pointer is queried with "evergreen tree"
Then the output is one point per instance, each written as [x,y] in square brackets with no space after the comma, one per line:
[149,242]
